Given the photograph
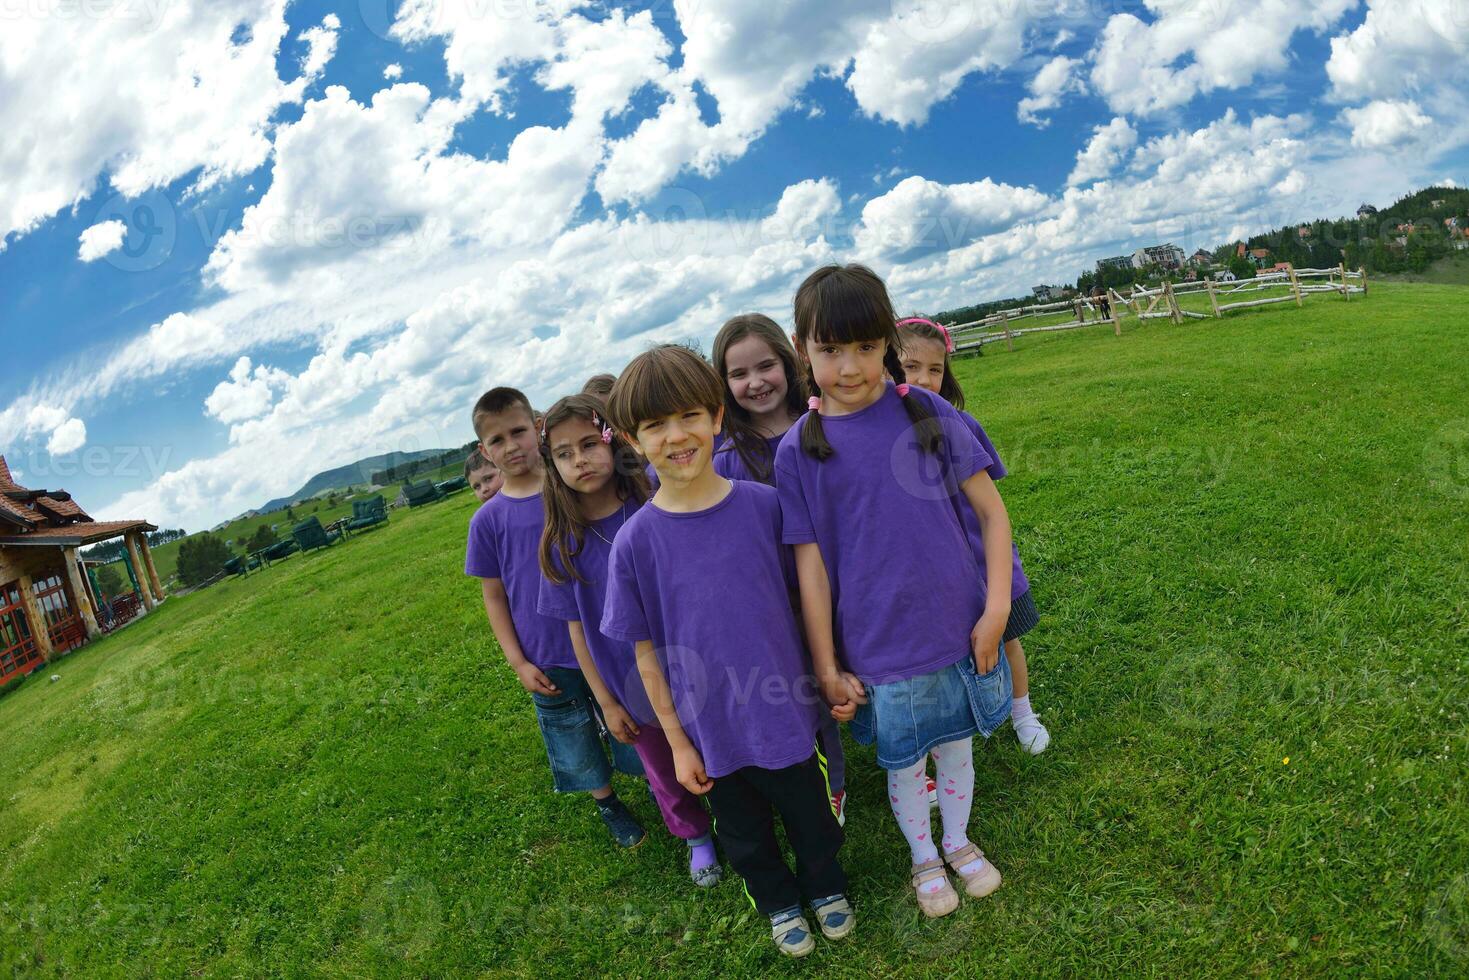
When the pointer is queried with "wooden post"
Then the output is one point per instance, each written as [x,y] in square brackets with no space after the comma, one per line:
[80,594]
[1009,344]
[1116,317]
[40,629]
[1346,293]
[1295,284]
[1213,298]
[143,591]
[147,551]
[1362,271]
[1173,312]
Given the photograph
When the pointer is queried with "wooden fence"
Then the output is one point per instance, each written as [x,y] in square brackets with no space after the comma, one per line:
[1160,302]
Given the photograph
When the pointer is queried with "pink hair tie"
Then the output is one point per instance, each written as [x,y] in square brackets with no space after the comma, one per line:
[814,403]
[903,391]
[607,434]
[943,331]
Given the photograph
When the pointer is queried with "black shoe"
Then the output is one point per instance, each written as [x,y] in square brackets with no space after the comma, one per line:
[621,824]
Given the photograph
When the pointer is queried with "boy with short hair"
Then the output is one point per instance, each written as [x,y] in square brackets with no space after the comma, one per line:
[483,476]
[504,539]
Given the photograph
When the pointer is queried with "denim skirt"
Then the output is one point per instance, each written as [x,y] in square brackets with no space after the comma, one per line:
[577,743]
[907,718]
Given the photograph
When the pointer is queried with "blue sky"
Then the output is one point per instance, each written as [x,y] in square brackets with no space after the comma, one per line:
[261,239]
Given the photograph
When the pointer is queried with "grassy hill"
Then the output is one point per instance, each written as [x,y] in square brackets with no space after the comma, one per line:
[1250,545]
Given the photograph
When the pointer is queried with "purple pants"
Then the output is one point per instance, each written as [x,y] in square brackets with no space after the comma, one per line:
[683,812]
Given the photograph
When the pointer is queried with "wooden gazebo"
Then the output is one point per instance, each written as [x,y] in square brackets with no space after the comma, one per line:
[47,601]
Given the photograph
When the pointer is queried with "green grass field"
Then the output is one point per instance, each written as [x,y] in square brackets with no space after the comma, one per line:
[1250,544]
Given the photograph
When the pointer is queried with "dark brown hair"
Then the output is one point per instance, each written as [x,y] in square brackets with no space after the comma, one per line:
[845,304]
[566,526]
[599,385]
[949,389]
[739,427]
[475,462]
[495,401]
[667,379]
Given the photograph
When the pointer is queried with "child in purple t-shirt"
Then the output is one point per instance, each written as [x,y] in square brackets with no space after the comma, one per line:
[594,484]
[700,582]
[906,633]
[504,539]
[762,400]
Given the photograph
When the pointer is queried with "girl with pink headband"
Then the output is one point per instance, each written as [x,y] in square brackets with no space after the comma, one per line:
[909,636]
[926,349]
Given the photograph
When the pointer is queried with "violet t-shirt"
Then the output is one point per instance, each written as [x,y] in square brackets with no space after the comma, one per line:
[712,591]
[1019,584]
[899,611]
[582,602]
[504,539]
[729,464]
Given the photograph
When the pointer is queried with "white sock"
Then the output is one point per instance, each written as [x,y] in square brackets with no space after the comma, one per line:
[1020,708]
[954,773]
[908,796]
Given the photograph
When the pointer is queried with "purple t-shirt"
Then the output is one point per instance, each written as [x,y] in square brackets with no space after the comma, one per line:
[729,464]
[1019,584]
[712,591]
[504,538]
[582,602]
[899,611]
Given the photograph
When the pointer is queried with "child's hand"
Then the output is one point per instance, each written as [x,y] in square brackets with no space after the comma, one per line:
[620,723]
[533,680]
[985,640]
[688,765]
[843,691]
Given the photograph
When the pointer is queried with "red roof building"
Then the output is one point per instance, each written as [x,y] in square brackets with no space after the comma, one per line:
[48,603]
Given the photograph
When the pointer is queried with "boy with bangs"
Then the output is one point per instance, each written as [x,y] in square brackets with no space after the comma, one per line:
[503,552]
[689,574]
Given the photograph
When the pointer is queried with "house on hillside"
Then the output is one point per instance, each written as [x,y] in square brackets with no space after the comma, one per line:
[1365,211]
[1259,256]
[1201,259]
[1115,262]
[1225,276]
[1047,294]
[1167,256]
[1437,203]
[49,603]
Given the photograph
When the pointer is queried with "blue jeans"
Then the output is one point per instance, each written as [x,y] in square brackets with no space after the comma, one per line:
[577,743]
[907,718]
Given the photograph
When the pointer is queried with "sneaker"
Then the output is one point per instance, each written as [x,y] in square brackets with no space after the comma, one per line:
[791,933]
[1032,734]
[839,807]
[621,824]
[933,792]
[834,916]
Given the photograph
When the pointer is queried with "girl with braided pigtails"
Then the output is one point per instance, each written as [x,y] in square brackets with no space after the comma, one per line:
[909,636]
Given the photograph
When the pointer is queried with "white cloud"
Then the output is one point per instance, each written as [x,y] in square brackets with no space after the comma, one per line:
[247,394]
[1192,47]
[393,72]
[1104,152]
[1056,79]
[1385,122]
[212,64]
[101,238]
[921,216]
[321,44]
[67,437]
[1401,46]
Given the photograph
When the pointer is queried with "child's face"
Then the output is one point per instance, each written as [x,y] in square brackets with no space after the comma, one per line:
[580,456]
[755,375]
[851,375]
[508,439]
[923,362]
[680,446]
[485,482]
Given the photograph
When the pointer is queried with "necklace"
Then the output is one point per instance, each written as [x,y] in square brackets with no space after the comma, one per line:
[623,512]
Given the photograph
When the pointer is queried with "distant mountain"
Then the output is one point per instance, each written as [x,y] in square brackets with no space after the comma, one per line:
[353,474]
